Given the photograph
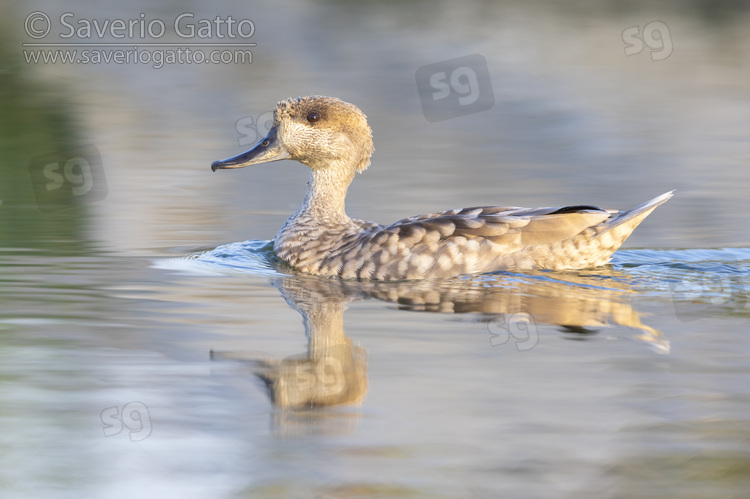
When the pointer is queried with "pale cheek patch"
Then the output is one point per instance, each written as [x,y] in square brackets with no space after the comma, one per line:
[337,146]
[296,137]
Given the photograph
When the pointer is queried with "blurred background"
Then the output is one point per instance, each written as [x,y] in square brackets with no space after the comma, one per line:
[106,169]
[574,119]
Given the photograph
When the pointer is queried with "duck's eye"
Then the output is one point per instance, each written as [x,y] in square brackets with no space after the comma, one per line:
[265,143]
[312,117]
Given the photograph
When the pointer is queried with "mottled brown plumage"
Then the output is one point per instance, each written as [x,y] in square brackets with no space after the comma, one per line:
[333,139]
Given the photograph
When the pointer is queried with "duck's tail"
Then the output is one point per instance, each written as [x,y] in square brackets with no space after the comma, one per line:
[626,221]
[547,246]
[609,235]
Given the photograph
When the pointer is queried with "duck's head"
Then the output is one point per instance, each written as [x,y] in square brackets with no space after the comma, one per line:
[316,131]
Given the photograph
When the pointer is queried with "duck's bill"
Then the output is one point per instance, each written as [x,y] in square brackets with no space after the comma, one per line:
[267,150]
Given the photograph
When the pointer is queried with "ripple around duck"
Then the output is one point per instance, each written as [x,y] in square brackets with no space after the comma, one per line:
[254,258]
[713,275]
[677,257]
[718,278]
[729,264]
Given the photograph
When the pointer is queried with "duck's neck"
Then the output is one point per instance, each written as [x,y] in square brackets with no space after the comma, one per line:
[326,193]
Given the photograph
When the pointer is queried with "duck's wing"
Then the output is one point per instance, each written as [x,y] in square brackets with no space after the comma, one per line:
[463,241]
[521,226]
[488,238]
[511,225]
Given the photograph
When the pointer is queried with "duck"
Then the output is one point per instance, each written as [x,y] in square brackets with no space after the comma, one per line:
[333,139]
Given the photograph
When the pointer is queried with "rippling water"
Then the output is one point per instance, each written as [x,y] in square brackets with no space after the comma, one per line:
[154,346]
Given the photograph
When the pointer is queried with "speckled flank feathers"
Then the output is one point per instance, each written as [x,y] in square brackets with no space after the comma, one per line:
[333,139]
[463,241]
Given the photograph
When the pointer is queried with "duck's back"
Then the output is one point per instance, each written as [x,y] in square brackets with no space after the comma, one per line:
[464,241]
[471,240]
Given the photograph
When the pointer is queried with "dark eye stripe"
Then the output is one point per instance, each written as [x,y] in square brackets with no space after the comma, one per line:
[313,116]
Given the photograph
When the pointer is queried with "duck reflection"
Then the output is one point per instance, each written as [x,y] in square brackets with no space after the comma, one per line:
[333,371]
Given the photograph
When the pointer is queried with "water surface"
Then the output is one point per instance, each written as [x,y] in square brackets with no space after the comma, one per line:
[153,346]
